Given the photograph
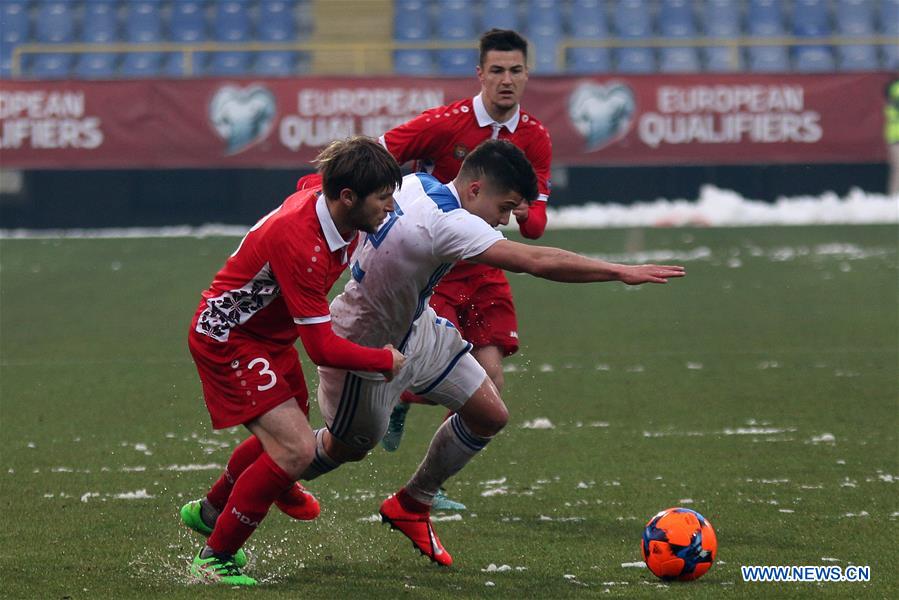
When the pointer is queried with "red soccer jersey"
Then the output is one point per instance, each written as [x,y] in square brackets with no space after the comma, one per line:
[279,276]
[440,138]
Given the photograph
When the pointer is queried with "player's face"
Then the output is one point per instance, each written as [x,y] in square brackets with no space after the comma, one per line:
[503,77]
[493,206]
[368,213]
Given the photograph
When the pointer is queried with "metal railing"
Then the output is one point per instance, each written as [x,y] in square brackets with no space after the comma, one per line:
[360,50]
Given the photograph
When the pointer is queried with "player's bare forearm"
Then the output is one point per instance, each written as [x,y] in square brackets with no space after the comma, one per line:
[567,267]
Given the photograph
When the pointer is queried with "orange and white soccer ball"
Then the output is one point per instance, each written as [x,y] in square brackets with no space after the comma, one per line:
[679,544]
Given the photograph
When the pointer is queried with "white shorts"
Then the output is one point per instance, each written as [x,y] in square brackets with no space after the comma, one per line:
[356,407]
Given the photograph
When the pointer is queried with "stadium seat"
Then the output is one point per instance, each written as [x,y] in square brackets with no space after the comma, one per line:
[768,59]
[588,22]
[854,17]
[544,30]
[456,24]
[632,20]
[55,22]
[51,66]
[96,65]
[276,22]
[412,23]
[499,14]
[811,19]
[137,65]
[15,30]
[275,63]
[764,18]
[889,19]
[676,21]
[721,19]
[188,22]
[413,62]
[100,23]
[857,57]
[226,64]
[231,21]
[143,22]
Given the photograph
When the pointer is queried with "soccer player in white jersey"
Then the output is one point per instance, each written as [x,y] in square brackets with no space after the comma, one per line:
[386,302]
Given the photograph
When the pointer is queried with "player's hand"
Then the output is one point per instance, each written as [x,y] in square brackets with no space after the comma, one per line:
[521,212]
[637,274]
[398,361]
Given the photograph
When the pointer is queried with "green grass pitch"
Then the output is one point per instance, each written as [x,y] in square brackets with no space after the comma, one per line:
[760,391]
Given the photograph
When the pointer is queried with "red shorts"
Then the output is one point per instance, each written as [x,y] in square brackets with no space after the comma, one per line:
[481,308]
[244,378]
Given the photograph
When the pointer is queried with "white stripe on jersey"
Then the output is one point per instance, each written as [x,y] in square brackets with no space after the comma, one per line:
[395,269]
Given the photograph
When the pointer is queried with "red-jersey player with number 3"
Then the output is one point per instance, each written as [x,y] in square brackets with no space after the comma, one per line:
[270,292]
[476,297]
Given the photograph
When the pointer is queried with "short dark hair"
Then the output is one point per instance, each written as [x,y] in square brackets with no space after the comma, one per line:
[504,40]
[504,166]
[359,163]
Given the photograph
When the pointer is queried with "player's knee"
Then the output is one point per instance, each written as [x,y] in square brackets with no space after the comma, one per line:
[343,452]
[295,456]
[491,421]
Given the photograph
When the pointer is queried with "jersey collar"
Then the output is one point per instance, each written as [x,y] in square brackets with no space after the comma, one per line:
[484,118]
[452,188]
[332,236]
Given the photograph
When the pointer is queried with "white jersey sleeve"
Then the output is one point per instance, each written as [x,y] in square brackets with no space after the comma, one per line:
[459,235]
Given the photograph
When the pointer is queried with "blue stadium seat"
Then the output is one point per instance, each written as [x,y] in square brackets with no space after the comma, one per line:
[96,65]
[55,22]
[51,66]
[137,65]
[721,19]
[143,21]
[231,21]
[811,19]
[226,64]
[857,57]
[854,17]
[889,16]
[413,62]
[587,21]
[276,22]
[411,21]
[768,59]
[455,22]
[16,26]
[188,22]
[544,29]
[499,14]
[100,23]
[764,18]
[676,21]
[813,59]
[633,20]
[275,63]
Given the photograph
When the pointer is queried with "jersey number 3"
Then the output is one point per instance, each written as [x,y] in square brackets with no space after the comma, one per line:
[273,379]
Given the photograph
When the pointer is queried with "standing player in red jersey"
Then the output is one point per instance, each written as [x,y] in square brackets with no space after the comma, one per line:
[477,298]
[270,292]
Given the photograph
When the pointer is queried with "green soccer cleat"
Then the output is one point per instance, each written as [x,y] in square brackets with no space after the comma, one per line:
[393,437]
[219,569]
[192,516]
[442,502]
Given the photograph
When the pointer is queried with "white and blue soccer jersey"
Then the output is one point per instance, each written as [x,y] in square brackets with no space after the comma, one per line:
[394,270]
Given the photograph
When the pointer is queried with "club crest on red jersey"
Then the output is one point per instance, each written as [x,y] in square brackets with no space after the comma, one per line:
[460,151]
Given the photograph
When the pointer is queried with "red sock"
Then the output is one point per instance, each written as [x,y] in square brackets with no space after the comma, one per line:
[410,398]
[253,494]
[243,456]
[410,503]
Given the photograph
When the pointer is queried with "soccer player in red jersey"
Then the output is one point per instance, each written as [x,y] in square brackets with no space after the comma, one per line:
[270,292]
[477,298]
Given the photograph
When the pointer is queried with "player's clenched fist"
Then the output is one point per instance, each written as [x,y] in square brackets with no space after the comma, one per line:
[398,361]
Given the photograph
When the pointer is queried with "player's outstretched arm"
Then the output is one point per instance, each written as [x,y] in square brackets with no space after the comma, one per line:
[326,348]
[561,265]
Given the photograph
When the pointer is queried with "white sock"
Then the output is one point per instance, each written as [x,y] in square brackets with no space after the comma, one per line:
[322,463]
[452,446]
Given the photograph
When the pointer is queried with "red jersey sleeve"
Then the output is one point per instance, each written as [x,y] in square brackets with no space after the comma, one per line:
[540,153]
[421,138]
[328,349]
[310,181]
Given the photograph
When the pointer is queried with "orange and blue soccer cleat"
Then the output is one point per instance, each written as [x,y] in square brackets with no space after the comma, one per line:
[299,504]
[417,527]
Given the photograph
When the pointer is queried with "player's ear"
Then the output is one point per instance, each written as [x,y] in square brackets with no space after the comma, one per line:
[475,188]
[347,197]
